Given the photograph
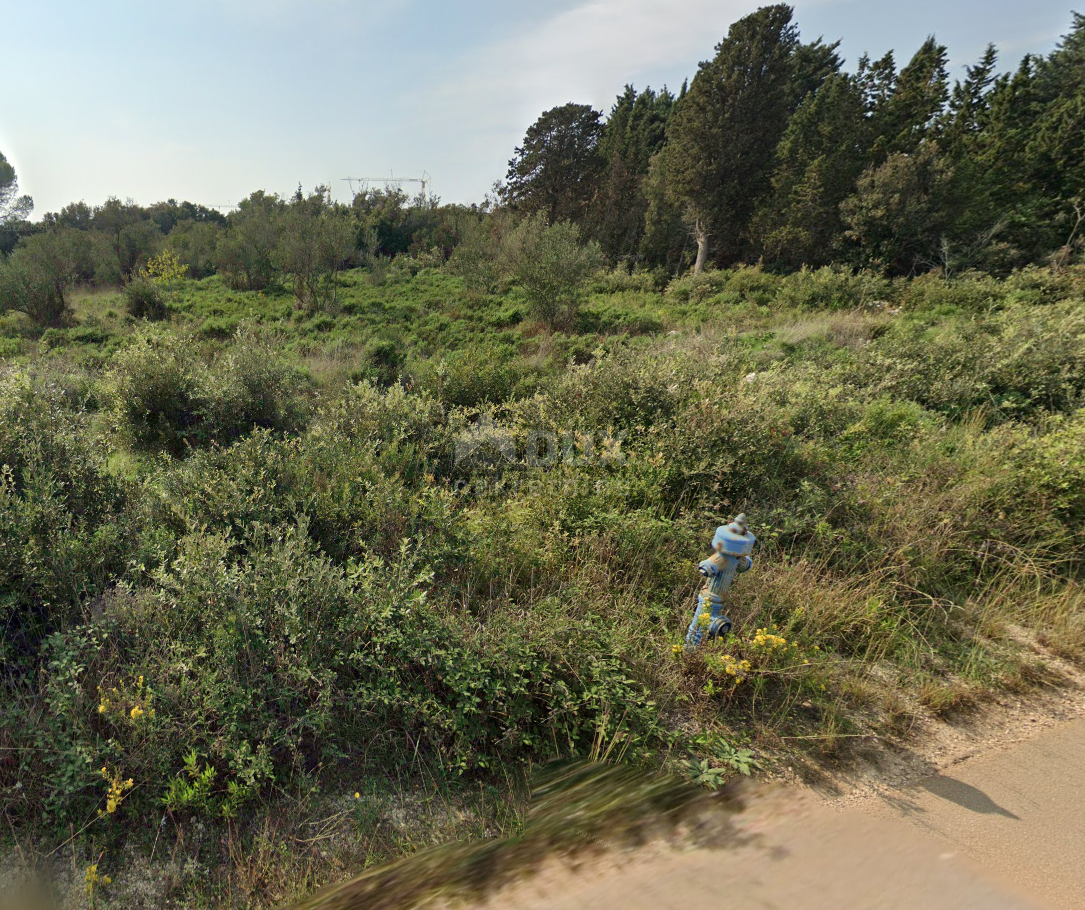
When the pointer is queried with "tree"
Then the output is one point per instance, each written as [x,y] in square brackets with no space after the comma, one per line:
[718,157]
[551,264]
[901,211]
[479,258]
[129,236]
[817,164]
[969,104]
[245,255]
[37,276]
[195,243]
[634,134]
[912,113]
[556,171]
[13,207]
[315,241]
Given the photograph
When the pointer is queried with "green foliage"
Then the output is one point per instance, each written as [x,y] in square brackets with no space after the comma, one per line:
[832,288]
[897,216]
[13,207]
[165,398]
[413,533]
[817,164]
[63,536]
[482,554]
[143,299]
[633,134]
[37,277]
[245,255]
[479,257]
[195,243]
[551,265]
[556,169]
[315,242]
[726,128]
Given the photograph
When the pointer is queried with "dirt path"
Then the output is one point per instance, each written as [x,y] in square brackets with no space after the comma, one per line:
[801,855]
[1019,812]
[985,811]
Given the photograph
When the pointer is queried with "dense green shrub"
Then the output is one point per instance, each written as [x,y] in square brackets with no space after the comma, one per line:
[166,398]
[472,376]
[160,392]
[301,661]
[62,534]
[551,264]
[143,299]
[1018,361]
[832,288]
[620,280]
[973,293]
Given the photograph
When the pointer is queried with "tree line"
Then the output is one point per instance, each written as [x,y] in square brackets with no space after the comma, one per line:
[775,153]
[301,241]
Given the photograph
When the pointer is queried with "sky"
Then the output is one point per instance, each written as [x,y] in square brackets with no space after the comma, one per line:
[208,100]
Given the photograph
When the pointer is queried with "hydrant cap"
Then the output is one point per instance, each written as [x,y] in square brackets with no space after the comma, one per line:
[734,539]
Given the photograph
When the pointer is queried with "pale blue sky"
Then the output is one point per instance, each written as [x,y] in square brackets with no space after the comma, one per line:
[210,99]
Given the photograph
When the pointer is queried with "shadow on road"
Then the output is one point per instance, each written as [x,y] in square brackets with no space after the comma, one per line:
[966,796]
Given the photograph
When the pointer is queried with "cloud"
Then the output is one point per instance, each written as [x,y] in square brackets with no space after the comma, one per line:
[589,51]
[584,53]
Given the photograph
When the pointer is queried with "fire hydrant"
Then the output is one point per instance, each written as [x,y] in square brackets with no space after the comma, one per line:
[733,544]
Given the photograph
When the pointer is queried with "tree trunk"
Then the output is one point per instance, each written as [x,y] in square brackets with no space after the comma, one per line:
[701,235]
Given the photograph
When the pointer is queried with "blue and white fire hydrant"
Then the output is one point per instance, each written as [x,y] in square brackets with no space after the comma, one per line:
[733,544]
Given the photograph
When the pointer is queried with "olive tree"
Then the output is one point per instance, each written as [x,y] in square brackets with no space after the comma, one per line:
[37,276]
[244,256]
[316,240]
[550,264]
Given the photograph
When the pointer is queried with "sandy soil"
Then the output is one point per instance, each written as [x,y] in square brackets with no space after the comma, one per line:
[983,810]
[800,854]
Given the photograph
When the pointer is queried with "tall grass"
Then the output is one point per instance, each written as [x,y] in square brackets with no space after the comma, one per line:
[327,554]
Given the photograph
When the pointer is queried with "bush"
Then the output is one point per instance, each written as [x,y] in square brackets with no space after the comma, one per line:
[551,265]
[832,288]
[301,662]
[973,293]
[165,398]
[619,279]
[160,392]
[691,288]
[471,376]
[62,532]
[252,387]
[744,284]
[143,299]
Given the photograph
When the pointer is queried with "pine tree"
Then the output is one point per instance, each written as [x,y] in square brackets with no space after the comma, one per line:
[718,157]
[558,167]
[969,103]
[633,135]
[817,164]
[1056,149]
[911,113]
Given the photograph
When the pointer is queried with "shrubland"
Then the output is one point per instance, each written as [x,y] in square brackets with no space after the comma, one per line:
[258,559]
[323,525]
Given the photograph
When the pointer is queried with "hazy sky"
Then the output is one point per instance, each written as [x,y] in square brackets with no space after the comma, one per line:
[210,99]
